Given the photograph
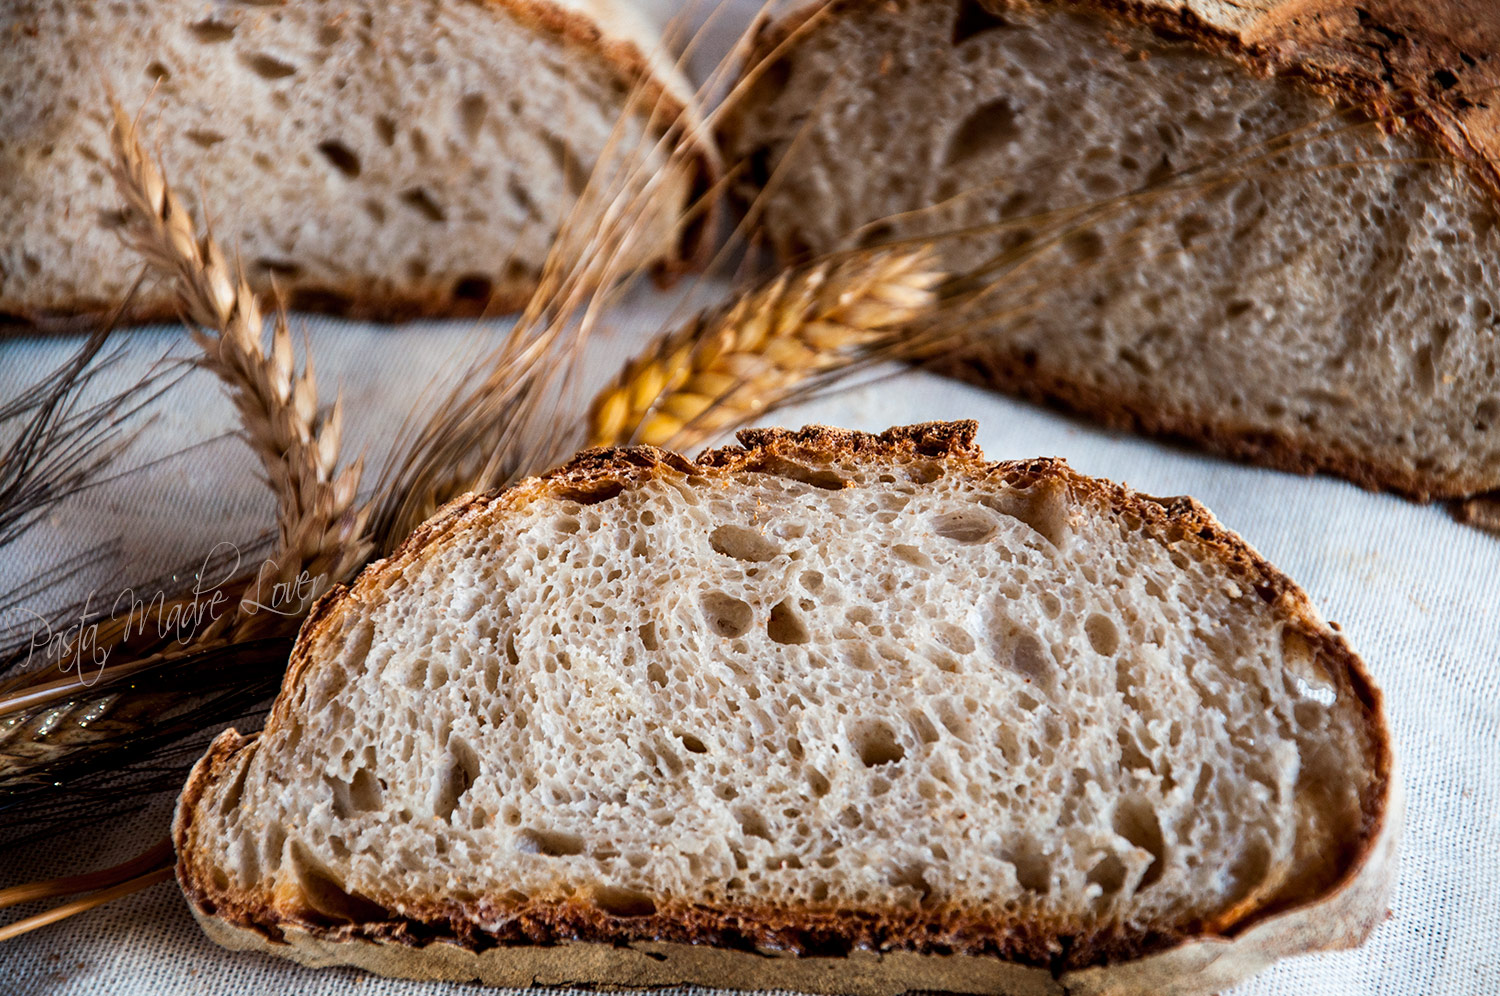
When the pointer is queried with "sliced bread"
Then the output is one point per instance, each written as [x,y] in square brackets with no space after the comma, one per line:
[828,711]
[383,158]
[1285,305]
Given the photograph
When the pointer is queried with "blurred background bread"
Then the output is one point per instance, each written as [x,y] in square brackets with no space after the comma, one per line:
[381,159]
[1290,253]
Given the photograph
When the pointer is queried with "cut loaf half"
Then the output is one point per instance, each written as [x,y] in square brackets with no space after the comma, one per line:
[832,712]
[1320,290]
[384,158]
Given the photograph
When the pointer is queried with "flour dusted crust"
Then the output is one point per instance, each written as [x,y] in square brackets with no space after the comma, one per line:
[865,951]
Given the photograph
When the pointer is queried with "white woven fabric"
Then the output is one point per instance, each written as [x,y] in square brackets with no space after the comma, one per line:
[1417,595]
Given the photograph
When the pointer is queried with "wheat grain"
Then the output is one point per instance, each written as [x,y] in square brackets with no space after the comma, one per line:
[732,363]
[322,532]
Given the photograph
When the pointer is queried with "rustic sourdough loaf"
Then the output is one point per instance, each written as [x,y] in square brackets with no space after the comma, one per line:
[1284,307]
[377,157]
[898,716]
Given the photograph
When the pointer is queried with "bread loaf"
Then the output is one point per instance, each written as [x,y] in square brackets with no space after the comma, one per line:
[829,711]
[383,159]
[1325,297]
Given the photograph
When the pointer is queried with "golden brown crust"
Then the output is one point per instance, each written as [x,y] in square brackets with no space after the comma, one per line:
[1349,902]
[433,296]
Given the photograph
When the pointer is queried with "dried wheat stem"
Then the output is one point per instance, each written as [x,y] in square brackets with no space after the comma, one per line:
[322,531]
[731,363]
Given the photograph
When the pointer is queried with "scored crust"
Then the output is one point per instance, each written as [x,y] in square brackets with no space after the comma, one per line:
[597,27]
[860,951]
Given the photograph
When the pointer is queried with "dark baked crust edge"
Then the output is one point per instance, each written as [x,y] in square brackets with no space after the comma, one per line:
[991,365]
[1340,916]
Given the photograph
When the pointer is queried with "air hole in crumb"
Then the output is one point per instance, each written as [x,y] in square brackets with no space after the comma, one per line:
[988,127]
[266,66]
[818,478]
[817,782]
[785,625]
[742,543]
[1043,507]
[1021,651]
[912,877]
[568,165]
[912,555]
[1103,635]
[692,743]
[1136,821]
[385,129]
[753,823]
[472,109]
[551,843]
[876,744]
[965,526]
[656,674]
[726,615]
[812,581]
[974,18]
[473,287]
[1033,871]
[955,638]
[623,902]
[203,138]
[421,201]
[323,895]
[211,32]
[647,633]
[341,157]
[364,791]
[456,779]
[922,726]
[1108,874]
[158,72]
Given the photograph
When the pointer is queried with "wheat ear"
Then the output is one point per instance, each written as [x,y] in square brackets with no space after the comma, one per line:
[322,533]
[736,361]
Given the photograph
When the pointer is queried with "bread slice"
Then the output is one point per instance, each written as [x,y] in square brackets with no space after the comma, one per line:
[829,711]
[382,158]
[1290,310]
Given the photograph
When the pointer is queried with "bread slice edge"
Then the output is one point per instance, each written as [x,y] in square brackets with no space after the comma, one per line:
[615,33]
[1342,916]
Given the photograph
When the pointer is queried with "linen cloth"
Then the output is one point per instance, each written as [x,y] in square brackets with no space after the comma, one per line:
[1417,595]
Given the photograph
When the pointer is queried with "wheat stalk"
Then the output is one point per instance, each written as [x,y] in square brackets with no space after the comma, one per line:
[734,362]
[322,533]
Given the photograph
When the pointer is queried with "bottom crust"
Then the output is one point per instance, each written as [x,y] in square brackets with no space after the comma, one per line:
[1340,920]
[994,366]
